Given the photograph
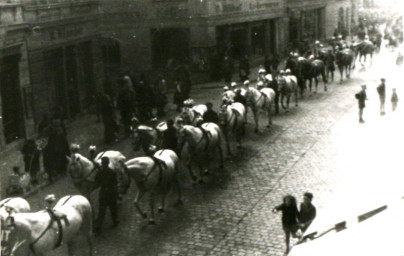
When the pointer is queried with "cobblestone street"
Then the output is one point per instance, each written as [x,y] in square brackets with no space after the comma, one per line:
[318,147]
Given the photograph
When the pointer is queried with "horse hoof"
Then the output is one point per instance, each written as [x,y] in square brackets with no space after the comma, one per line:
[160,210]
[151,222]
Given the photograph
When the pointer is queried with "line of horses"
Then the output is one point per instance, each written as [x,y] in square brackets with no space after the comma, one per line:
[156,173]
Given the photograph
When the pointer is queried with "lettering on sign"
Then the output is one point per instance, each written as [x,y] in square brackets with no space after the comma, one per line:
[172,12]
[263,5]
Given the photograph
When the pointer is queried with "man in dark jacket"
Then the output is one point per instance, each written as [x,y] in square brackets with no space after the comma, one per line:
[307,212]
[361,97]
[170,136]
[31,159]
[210,115]
[107,179]
[381,90]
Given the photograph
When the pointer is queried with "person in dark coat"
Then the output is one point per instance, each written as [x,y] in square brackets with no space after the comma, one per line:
[244,69]
[107,179]
[179,95]
[170,136]
[126,103]
[44,126]
[307,212]
[290,217]
[227,70]
[394,100]
[210,115]
[240,98]
[361,97]
[381,90]
[330,64]
[268,63]
[108,119]
[57,148]
[160,93]
[31,159]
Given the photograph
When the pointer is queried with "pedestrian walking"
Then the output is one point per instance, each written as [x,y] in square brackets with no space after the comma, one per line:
[394,100]
[361,97]
[381,90]
[210,116]
[290,217]
[170,136]
[307,212]
[106,178]
[31,159]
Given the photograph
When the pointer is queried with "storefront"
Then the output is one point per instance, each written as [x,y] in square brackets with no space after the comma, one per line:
[306,21]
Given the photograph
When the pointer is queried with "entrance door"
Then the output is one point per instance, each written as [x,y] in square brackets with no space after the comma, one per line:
[238,38]
[170,44]
[72,81]
[55,78]
[258,40]
[11,103]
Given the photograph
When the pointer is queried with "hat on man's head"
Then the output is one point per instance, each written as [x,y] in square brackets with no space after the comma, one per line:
[260,83]
[246,82]
[363,86]
[226,88]
[383,79]
[233,84]
[261,70]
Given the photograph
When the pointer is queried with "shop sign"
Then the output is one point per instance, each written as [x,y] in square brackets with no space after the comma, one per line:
[171,12]
[261,5]
[224,7]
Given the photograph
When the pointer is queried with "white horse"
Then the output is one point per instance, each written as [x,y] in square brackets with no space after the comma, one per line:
[231,120]
[83,171]
[155,175]
[201,141]
[40,232]
[288,87]
[194,115]
[13,205]
[260,100]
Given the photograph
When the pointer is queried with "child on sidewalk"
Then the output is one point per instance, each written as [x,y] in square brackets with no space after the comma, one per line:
[394,100]
[290,216]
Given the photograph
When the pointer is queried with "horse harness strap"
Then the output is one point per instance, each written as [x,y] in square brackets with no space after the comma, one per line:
[161,165]
[6,201]
[54,217]
[205,134]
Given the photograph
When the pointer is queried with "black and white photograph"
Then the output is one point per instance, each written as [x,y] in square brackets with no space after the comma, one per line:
[201,127]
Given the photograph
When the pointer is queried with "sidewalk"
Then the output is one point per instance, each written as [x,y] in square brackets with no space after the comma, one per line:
[86,131]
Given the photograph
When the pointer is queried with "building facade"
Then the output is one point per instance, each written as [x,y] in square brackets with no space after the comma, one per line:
[151,34]
[14,75]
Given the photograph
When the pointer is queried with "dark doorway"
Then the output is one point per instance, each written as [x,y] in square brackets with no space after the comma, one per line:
[72,81]
[11,103]
[272,36]
[238,39]
[257,40]
[55,78]
[170,45]
[85,59]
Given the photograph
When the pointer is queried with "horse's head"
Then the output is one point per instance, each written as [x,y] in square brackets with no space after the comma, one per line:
[75,167]
[14,237]
[142,135]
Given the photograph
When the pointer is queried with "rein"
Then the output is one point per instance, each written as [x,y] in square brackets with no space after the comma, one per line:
[6,201]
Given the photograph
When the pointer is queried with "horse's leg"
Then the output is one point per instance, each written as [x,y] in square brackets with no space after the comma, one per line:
[325,80]
[296,98]
[138,197]
[341,73]
[269,115]
[191,173]
[226,137]
[151,205]
[178,186]
[282,99]
[219,147]
[255,112]
[163,201]
[287,103]
[316,80]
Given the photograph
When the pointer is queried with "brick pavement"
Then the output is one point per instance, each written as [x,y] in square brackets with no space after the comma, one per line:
[231,213]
